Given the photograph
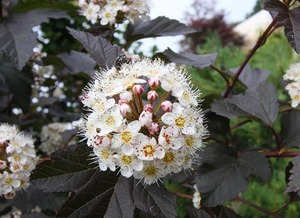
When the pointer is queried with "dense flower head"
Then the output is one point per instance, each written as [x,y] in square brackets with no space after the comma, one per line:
[293,88]
[144,119]
[51,136]
[17,160]
[113,11]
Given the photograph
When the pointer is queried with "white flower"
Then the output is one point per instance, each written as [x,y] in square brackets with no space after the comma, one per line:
[91,12]
[109,121]
[170,137]
[106,158]
[17,160]
[129,164]
[115,5]
[148,149]
[107,15]
[181,118]
[196,198]
[127,137]
[293,88]
[144,131]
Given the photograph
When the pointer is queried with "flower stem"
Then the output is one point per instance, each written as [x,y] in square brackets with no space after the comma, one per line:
[164,97]
[1,15]
[259,42]
[251,204]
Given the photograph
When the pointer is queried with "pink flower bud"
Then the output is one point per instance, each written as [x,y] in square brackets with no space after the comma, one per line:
[3,165]
[138,89]
[152,95]
[145,118]
[166,106]
[125,109]
[154,82]
[148,107]
[127,96]
[154,128]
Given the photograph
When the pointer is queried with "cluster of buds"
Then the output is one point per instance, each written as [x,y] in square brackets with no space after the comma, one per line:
[144,120]
[51,136]
[17,160]
[113,11]
[293,88]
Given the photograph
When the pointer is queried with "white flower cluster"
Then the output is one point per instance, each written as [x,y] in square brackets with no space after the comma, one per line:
[51,136]
[112,11]
[17,160]
[144,119]
[293,88]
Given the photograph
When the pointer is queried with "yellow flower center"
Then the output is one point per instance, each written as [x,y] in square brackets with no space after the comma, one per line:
[110,121]
[126,160]
[126,137]
[169,157]
[107,15]
[148,150]
[9,181]
[150,171]
[190,140]
[180,121]
[105,154]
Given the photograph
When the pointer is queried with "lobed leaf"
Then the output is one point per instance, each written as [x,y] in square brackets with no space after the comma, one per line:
[289,18]
[290,128]
[16,37]
[226,109]
[66,171]
[260,102]
[294,183]
[223,174]
[190,59]
[100,49]
[251,78]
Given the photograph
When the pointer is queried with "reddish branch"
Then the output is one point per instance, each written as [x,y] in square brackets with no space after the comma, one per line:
[251,204]
[280,154]
[259,42]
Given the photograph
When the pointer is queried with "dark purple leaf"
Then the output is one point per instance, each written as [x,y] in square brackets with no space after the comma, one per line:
[66,171]
[78,62]
[260,102]
[223,174]
[290,129]
[197,213]
[226,109]
[101,50]
[190,59]
[16,37]
[294,183]
[251,78]
[289,18]
[155,200]
[18,83]
[226,212]
[160,26]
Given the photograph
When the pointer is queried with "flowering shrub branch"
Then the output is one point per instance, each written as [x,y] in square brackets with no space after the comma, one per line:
[115,132]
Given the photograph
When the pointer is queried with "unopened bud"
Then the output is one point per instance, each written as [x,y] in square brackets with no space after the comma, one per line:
[138,89]
[166,106]
[127,96]
[154,82]
[152,95]
[154,128]
[148,107]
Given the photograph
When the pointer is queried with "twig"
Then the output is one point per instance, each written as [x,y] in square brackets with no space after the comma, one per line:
[221,73]
[241,124]
[249,56]
[280,154]
[183,195]
[1,15]
[251,204]
[276,138]
[283,207]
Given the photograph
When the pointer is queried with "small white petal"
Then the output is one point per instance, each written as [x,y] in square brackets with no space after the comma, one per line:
[168,118]
[127,149]
[137,165]
[126,171]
